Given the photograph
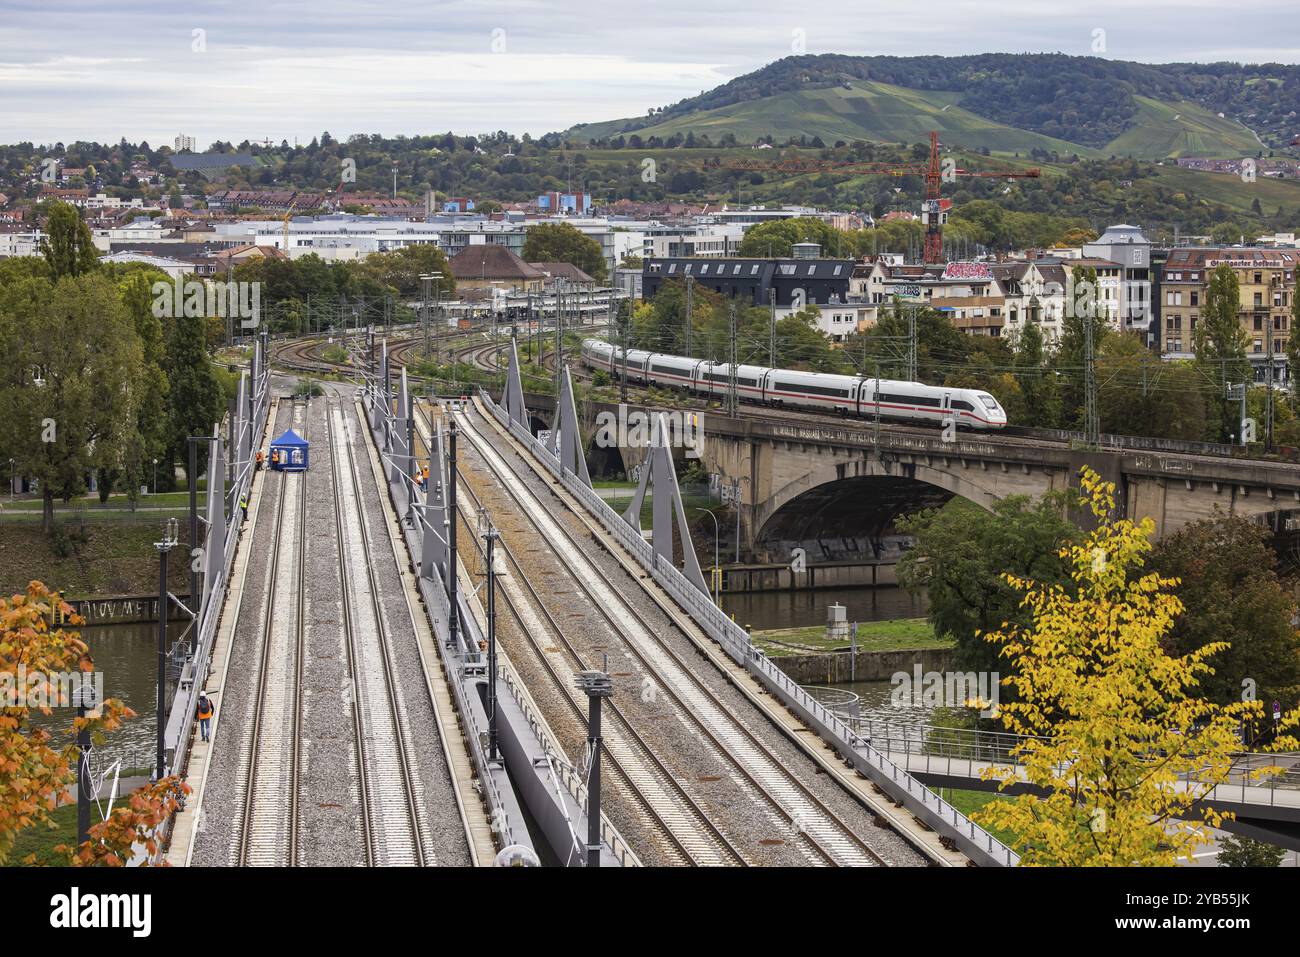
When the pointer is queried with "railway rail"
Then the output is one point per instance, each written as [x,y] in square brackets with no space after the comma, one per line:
[391,794]
[821,832]
[268,829]
[691,836]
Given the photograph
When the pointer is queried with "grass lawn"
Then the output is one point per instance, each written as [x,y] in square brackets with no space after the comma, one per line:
[895,635]
[41,841]
[116,501]
[970,801]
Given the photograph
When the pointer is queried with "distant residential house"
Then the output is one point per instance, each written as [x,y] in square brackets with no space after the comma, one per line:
[75,196]
[229,258]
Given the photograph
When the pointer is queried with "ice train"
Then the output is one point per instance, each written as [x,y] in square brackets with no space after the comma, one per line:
[850,395]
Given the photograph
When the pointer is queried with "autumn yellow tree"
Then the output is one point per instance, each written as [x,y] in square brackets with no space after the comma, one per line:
[1119,744]
[35,649]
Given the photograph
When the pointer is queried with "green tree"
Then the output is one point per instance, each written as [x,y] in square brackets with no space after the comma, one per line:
[961,553]
[402,268]
[940,346]
[196,398]
[1235,851]
[1081,310]
[1038,386]
[152,432]
[69,403]
[777,237]
[67,247]
[1220,344]
[1229,586]
[561,242]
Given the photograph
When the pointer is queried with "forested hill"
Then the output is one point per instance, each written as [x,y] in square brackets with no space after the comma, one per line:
[1086,101]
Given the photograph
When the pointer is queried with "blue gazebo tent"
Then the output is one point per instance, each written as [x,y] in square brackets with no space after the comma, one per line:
[289,452]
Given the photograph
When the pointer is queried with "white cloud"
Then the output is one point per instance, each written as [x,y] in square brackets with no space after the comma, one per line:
[101,69]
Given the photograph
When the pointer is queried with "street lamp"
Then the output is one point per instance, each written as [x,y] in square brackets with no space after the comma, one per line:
[717,566]
[155,476]
[13,479]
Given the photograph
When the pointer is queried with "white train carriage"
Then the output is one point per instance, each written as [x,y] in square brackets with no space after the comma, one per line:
[812,390]
[599,354]
[917,402]
[678,372]
[859,396]
[714,378]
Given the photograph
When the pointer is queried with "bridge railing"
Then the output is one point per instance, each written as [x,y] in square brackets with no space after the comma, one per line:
[735,641]
[939,750]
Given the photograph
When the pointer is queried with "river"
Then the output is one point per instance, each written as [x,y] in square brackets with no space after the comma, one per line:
[127,655]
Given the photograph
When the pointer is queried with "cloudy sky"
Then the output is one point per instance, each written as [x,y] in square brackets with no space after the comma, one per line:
[104,69]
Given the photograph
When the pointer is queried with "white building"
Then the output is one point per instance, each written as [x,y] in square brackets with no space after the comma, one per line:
[140,230]
[24,242]
[172,267]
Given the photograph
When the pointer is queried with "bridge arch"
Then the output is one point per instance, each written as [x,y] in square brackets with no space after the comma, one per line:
[860,499]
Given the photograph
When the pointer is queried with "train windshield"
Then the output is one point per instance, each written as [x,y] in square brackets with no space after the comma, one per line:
[989,402]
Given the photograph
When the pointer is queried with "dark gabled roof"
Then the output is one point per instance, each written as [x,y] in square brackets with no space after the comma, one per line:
[491,261]
[563,271]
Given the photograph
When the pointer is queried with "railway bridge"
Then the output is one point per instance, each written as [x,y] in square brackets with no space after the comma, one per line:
[804,477]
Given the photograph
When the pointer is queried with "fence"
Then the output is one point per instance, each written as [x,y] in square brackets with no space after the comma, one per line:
[246,426]
[735,641]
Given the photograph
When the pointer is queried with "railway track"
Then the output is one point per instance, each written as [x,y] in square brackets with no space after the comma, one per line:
[391,794]
[268,831]
[690,835]
[823,835]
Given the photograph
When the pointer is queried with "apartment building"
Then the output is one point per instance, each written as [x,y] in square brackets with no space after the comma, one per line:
[1266,281]
[1127,247]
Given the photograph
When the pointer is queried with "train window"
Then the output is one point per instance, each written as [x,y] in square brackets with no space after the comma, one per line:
[989,401]
[811,389]
[962,404]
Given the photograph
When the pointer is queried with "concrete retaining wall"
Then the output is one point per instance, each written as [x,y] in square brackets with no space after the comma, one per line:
[838,667]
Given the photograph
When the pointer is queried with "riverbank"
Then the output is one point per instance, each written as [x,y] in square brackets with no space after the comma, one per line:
[94,559]
[883,649]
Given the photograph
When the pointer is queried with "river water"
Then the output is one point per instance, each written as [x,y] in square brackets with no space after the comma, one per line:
[127,655]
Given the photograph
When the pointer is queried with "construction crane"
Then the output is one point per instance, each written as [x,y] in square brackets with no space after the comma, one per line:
[287,214]
[934,211]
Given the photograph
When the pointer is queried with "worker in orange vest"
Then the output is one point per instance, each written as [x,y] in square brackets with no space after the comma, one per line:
[259,460]
[205,714]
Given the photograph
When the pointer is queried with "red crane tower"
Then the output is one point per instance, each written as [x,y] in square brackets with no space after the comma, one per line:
[934,211]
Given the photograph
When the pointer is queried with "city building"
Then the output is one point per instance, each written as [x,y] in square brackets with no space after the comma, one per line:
[565,202]
[491,269]
[795,282]
[1266,289]
[19,241]
[1125,245]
